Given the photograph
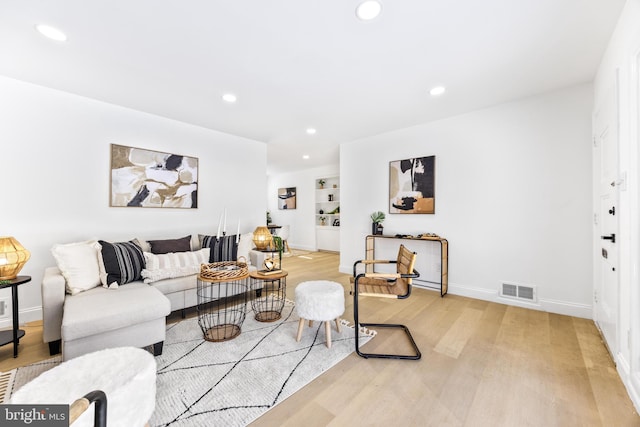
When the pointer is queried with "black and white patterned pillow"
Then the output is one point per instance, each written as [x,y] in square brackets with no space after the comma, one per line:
[120,263]
[224,248]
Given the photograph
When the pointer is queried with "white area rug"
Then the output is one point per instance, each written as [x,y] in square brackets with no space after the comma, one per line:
[232,383]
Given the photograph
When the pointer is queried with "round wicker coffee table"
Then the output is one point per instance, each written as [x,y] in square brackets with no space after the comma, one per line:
[222,300]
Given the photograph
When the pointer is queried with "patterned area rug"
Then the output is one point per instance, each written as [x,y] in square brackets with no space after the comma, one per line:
[232,383]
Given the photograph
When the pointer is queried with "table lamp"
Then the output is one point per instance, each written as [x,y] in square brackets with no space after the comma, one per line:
[262,238]
[13,256]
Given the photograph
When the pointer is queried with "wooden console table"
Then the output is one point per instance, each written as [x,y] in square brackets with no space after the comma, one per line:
[443,284]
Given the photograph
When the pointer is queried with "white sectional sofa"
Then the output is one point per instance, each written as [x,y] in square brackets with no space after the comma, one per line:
[83,312]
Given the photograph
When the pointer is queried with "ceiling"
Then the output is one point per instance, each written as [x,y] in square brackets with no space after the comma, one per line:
[295,64]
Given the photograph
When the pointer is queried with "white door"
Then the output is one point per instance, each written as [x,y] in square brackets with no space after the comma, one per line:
[606,293]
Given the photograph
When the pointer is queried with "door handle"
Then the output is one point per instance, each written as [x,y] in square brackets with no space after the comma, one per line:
[611,237]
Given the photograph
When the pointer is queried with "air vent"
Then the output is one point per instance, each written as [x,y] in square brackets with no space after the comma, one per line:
[520,292]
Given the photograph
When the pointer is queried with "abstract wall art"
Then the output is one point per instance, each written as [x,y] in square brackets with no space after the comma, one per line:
[412,185]
[287,198]
[152,179]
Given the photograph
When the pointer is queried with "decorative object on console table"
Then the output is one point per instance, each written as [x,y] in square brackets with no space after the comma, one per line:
[161,180]
[269,220]
[376,222]
[287,198]
[412,185]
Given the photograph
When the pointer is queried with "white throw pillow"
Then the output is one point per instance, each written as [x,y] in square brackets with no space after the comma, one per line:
[244,246]
[174,264]
[78,263]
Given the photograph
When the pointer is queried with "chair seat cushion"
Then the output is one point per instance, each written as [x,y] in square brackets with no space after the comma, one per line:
[101,310]
[375,286]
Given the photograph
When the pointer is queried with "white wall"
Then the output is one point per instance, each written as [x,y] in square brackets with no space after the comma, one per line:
[302,219]
[621,63]
[513,196]
[55,176]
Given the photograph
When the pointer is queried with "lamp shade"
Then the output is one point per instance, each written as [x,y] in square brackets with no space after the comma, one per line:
[261,237]
[13,256]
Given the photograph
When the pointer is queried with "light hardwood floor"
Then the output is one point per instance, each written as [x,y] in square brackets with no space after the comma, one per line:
[483,364]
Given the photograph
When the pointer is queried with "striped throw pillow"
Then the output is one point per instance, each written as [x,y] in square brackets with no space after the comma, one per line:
[175,264]
[119,263]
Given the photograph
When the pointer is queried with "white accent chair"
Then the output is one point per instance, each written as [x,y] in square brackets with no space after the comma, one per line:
[283,233]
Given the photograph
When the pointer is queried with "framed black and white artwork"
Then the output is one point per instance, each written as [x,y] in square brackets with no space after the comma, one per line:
[152,179]
[412,185]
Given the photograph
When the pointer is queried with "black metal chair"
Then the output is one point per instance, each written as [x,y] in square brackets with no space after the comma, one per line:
[78,407]
[385,285]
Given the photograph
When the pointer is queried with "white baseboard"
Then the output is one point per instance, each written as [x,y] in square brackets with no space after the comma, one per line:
[552,306]
[631,382]
[24,315]
[302,247]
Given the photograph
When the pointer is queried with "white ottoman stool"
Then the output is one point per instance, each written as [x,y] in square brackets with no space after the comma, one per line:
[320,300]
[127,376]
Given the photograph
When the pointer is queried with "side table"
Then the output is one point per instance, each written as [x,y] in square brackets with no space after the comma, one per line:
[221,306]
[271,290]
[13,336]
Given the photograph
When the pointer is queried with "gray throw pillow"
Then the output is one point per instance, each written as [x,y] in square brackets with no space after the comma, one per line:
[170,245]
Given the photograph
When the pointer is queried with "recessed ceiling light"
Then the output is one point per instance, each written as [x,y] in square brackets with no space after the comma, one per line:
[229,97]
[311,131]
[438,90]
[368,10]
[52,33]
[306,157]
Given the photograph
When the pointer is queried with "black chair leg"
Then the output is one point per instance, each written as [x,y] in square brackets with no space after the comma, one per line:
[356,319]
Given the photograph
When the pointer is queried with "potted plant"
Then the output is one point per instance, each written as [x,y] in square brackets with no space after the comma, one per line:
[321,182]
[323,219]
[376,222]
[279,245]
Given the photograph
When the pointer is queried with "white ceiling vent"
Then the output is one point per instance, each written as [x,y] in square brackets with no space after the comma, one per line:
[520,292]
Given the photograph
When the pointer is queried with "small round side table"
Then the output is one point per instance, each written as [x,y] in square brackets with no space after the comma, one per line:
[271,290]
[13,336]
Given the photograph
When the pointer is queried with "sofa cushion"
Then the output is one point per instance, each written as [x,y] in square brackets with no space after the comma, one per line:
[120,263]
[175,264]
[78,263]
[223,248]
[100,310]
[176,284]
[170,245]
